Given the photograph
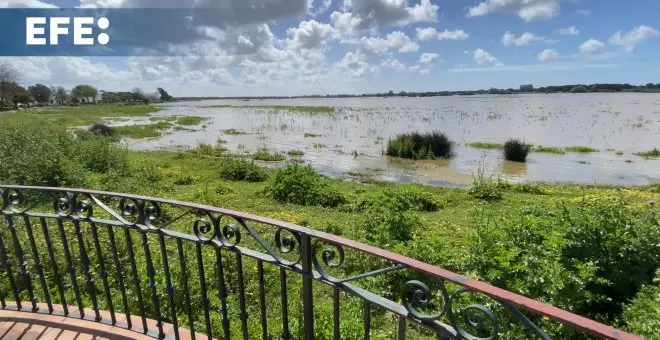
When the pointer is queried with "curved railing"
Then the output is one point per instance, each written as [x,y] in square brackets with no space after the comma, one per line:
[228,274]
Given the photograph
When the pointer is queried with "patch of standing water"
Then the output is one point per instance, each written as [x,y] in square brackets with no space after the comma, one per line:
[352,140]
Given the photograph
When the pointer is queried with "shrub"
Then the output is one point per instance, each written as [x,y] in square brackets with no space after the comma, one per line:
[485,188]
[51,156]
[238,169]
[642,315]
[102,130]
[302,185]
[420,146]
[516,150]
[579,89]
[183,179]
[621,240]
[385,227]
[402,198]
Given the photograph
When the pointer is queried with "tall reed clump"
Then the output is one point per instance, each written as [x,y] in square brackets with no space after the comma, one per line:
[415,145]
[516,150]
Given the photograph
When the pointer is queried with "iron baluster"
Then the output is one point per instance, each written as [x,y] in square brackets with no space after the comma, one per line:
[37,262]
[25,274]
[70,267]
[286,335]
[308,296]
[202,283]
[168,282]
[91,287]
[151,273]
[401,329]
[241,295]
[335,313]
[103,272]
[366,319]
[120,276]
[136,278]
[222,292]
[186,293]
[262,300]
[6,263]
[53,264]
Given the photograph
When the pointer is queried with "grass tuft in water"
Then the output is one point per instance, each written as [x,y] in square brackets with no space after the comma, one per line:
[581,149]
[143,131]
[234,132]
[296,153]
[190,120]
[267,156]
[487,146]
[420,146]
[655,153]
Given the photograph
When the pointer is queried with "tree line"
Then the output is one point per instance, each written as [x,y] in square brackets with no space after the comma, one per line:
[13,95]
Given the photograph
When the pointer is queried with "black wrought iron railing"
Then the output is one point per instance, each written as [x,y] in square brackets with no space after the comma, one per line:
[229,274]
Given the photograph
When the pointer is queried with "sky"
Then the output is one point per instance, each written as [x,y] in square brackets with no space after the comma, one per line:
[303,47]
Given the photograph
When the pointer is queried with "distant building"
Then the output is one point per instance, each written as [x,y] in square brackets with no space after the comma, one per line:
[526,88]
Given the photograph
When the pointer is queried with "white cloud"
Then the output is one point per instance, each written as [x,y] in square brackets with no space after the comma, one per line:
[361,15]
[424,71]
[583,12]
[431,33]
[414,68]
[429,58]
[568,31]
[25,4]
[528,10]
[630,40]
[510,39]
[393,64]
[355,65]
[311,35]
[548,55]
[482,57]
[592,47]
[396,41]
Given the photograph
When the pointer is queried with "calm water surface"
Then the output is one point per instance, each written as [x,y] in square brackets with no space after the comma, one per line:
[609,122]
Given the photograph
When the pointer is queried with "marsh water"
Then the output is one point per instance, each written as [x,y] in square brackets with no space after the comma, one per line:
[351,141]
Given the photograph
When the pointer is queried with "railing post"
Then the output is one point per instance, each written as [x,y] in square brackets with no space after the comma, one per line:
[308,304]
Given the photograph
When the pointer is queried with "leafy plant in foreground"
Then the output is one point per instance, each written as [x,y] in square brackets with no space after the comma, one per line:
[302,185]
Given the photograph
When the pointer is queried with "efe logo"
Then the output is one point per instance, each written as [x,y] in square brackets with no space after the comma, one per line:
[35,30]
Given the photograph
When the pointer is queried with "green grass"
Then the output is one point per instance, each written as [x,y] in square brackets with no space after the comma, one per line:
[549,149]
[654,153]
[234,132]
[191,120]
[487,146]
[143,131]
[311,135]
[289,108]
[296,153]
[267,156]
[581,149]
[76,115]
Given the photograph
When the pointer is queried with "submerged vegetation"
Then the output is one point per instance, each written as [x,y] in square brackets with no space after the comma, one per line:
[549,149]
[420,146]
[581,149]
[143,131]
[190,120]
[487,146]
[654,153]
[290,108]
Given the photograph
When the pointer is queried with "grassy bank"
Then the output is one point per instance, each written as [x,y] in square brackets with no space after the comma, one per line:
[582,248]
[76,115]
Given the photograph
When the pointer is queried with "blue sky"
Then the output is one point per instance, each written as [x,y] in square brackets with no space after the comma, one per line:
[355,46]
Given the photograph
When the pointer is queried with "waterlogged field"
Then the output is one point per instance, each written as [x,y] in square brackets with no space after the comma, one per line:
[585,139]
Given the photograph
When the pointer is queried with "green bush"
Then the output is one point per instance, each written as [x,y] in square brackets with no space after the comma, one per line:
[302,185]
[485,188]
[402,198]
[420,146]
[642,315]
[386,227]
[516,150]
[621,240]
[238,169]
[51,156]
[102,130]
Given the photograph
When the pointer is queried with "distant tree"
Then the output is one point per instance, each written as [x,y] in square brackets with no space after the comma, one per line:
[40,92]
[578,89]
[138,94]
[61,96]
[84,93]
[8,79]
[650,85]
[110,97]
[164,96]
[19,95]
